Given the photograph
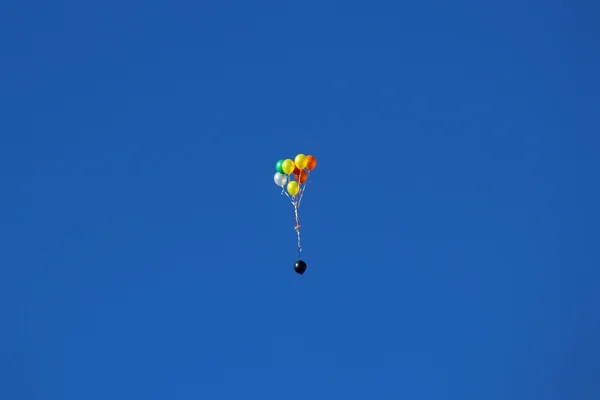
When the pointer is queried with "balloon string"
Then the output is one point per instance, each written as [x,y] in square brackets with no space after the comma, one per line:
[297,228]
[303,188]
[296,204]
[283,187]
[296,200]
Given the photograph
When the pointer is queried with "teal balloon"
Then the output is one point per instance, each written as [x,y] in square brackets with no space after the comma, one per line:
[278,167]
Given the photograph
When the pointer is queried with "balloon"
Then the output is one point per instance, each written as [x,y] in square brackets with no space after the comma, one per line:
[300,161]
[287,166]
[278,166]
[311,162]
[300,267]
[293,188]
[280,179]
[301,176]
[297,171]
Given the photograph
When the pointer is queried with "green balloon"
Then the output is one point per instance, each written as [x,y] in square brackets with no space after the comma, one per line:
[278,167]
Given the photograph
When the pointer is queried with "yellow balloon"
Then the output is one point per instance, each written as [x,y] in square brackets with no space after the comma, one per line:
[287,166]
[293,188]
[300,161]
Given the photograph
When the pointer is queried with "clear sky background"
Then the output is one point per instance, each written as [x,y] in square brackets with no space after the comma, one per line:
[450,227]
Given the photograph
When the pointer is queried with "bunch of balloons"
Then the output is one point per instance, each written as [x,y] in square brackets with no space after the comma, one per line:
[299,168]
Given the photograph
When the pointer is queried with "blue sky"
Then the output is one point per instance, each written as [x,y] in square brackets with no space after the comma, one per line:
[449,228]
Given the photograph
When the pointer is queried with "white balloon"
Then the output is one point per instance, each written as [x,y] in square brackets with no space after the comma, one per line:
[280,179]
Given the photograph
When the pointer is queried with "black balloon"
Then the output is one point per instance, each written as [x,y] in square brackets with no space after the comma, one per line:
[300,267]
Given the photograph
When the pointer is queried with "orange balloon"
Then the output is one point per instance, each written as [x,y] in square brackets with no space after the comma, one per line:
[311,162]
[301,177]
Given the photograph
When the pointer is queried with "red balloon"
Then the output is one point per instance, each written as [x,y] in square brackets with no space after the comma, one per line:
[301,177]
